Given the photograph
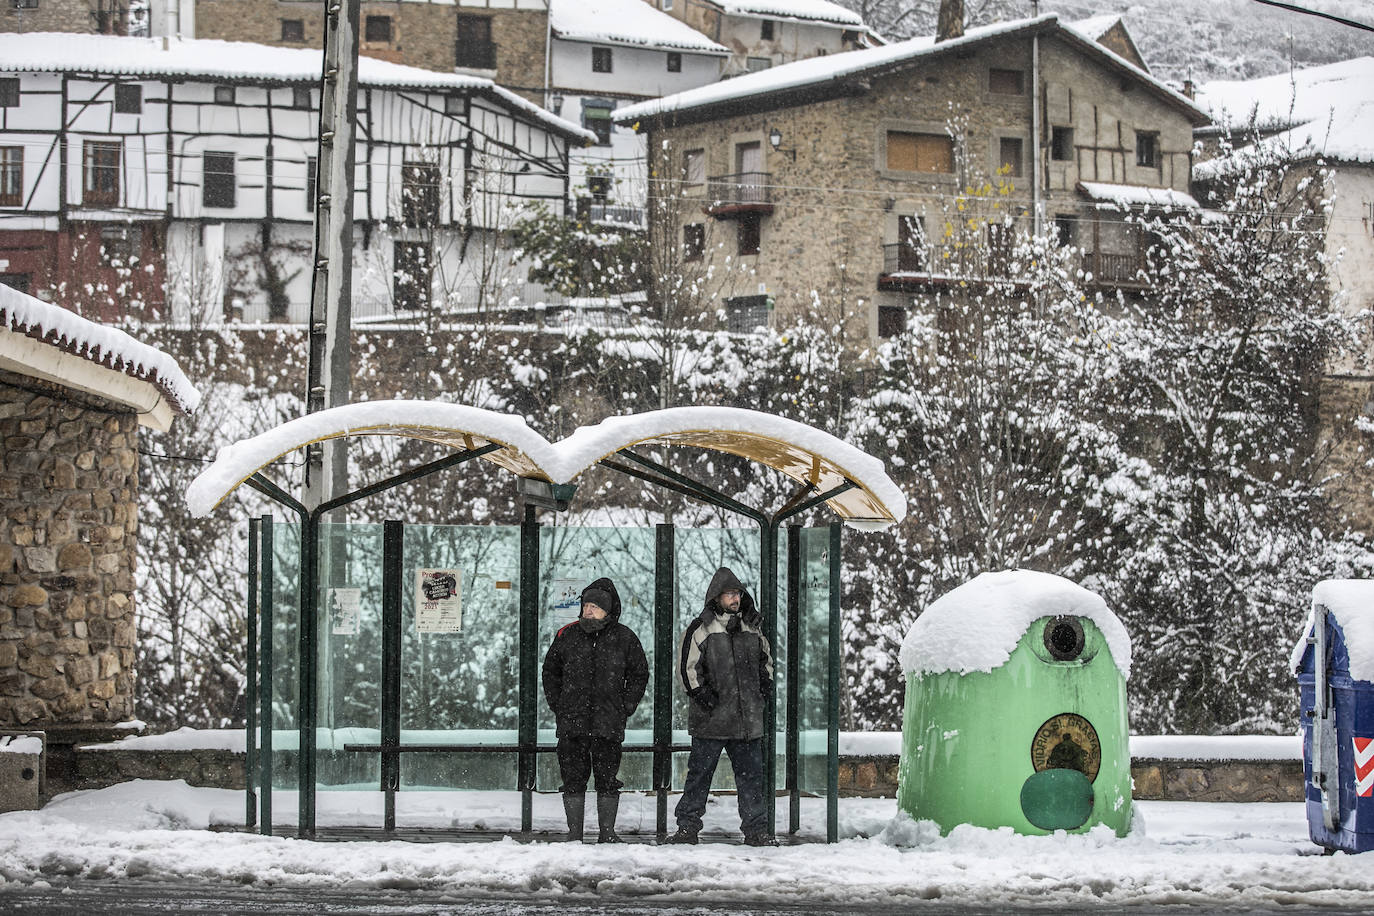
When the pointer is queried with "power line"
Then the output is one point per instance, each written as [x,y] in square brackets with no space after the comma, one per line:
[1318,13]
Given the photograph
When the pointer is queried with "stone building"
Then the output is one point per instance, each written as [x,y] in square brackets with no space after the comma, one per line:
[73,395]
[101,17]
[830,179]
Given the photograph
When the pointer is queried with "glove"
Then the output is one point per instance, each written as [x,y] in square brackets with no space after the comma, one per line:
[704,697]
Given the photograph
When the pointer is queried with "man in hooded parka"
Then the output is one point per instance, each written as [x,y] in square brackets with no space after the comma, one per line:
[595,674]
[727,670]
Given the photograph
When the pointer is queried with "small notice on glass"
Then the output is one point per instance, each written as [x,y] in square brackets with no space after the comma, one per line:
[438,600]
[566,597]
[344,607]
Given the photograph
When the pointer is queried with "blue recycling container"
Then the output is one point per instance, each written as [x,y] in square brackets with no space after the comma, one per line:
[1335,666]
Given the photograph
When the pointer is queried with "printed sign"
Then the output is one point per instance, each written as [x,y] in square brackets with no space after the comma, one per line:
[565,603]
[1364,766]
[438,600]
[1067,742]
[345,605]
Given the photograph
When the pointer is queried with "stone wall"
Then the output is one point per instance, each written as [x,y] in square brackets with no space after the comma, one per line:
[52,16]
[68,516]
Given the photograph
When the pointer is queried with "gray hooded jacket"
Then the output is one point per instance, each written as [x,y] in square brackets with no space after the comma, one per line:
[726,667]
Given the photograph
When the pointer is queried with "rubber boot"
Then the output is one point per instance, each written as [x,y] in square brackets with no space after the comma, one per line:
[607,806]
[574,808]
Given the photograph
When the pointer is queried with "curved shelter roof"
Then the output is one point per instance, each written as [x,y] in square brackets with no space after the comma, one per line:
[801,452]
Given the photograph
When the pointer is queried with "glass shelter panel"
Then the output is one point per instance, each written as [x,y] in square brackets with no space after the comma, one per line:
[283,590]
[460,676]
[814,702]
[570,560]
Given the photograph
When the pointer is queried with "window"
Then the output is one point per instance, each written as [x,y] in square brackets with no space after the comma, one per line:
[224,95]
[100,173]
[1006,82]
[26,4]
[1147,149]
[377,29]
[420,194]
[749,234]
[1000,244]
[120,245]
[693,241]
[217,185]
[667,4]
[475,48]
[9,93]
[1009,156]
[601,60]
[1065,228]
[457,105]
[128,99]
[908,152]
[412,271]
[694,166]
[300,97]
[911,243]
[599,186]
[766,30]
[891,320]
[1061,144]
[293,30]
[755,64]
[11,176]
[18,282]
[674,62]
[312,168]
[596,117]
[745,314]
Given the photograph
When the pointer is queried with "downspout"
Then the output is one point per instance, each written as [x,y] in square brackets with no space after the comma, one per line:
[1037,207]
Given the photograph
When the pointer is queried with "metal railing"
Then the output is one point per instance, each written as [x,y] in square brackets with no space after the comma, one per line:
[740,189]
[902,257]
[614,213]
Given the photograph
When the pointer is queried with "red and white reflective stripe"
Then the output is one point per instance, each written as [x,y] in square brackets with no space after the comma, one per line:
[1364,767]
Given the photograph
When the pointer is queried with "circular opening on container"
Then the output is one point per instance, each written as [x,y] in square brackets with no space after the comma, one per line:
[1064,638]
[26,773]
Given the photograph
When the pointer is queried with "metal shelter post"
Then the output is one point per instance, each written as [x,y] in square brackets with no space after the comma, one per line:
[251,686]
[665,590]
[768,587]
[393,542]
[309,663]
[832,697]
[793,752]
[529,666]
[265,691]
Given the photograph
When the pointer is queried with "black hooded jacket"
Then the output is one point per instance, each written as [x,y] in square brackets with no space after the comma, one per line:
[726,667]
[594,681]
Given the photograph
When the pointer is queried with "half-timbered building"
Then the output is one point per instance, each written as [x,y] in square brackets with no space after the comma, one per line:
[177,177]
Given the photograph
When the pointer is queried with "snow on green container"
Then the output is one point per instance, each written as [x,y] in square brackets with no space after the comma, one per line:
[1016,708]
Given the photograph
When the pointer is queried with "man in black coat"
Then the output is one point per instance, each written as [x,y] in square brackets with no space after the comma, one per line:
[595,674]
[727,670]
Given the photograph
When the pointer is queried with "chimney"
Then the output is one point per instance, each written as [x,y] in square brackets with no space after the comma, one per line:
[1188,89]
[951,21]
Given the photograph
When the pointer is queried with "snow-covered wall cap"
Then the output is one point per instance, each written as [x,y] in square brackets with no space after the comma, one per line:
[804,453]
[1351,602]
[976,626]
[180,58]
[459,426]
[21,744]
[629,22]
[107,347]
[1129,195]
[799,10]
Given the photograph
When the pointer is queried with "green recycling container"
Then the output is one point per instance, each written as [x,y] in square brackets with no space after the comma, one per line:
[1015,709]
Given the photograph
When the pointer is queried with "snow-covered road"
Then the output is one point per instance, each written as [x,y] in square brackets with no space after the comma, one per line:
[1250,855]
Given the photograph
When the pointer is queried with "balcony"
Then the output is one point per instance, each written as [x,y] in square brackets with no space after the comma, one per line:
[739,195]
[1116,270]
[616,216]
[907,268]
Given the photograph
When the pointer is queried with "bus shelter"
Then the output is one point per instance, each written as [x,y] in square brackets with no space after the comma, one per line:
[399,657]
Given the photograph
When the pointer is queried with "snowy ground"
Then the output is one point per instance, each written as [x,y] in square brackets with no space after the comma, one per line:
[1208,855]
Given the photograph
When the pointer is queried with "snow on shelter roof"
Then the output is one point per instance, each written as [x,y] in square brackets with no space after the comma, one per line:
[806,454]
[1351,602]
[631,22]
[211,59]
[819,78]
[976,626]
[39,338]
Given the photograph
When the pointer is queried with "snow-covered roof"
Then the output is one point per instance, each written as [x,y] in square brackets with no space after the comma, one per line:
[795,449]
[1094,27]
[1351,602]
[800,10]
[1324,110]
[813,78]
[42,339]
[1128,195]
[976,626]
[629,22]
[211,59]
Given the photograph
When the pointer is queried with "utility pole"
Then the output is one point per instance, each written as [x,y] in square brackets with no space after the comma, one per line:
[329,377]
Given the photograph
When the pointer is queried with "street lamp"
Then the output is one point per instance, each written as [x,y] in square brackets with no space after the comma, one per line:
[775,141]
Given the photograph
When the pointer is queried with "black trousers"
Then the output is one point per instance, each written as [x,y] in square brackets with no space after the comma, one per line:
[583,755]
